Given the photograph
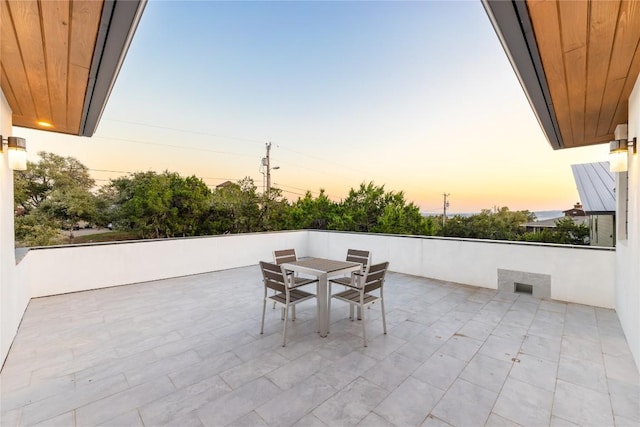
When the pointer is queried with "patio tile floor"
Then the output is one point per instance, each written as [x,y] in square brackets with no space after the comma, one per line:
[187,352]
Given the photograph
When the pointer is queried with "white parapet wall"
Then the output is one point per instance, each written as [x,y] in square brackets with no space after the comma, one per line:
[582,275]
[579,274]
[73,268]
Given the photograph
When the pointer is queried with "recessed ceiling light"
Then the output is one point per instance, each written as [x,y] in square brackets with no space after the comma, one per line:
[45,124]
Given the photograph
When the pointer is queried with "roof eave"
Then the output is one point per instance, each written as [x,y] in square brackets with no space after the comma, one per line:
[117,25]
[511,22]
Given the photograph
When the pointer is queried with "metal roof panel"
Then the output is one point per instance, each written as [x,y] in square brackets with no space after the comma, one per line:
[596,186]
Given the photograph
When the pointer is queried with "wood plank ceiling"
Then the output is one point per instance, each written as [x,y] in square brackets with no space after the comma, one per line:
[46,51]
[590,52]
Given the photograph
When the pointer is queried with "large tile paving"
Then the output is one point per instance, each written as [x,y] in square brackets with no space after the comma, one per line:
[188,352]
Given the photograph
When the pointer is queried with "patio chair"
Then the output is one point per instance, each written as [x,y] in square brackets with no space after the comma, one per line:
[358,294]
[275,278]
[354,255]
[289,255]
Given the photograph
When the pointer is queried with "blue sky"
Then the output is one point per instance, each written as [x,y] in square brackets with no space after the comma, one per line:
[418,96]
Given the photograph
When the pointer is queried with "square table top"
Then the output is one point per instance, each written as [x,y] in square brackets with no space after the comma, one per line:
[324,265]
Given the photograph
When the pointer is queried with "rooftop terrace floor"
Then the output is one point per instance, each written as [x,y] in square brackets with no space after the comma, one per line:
[188,352]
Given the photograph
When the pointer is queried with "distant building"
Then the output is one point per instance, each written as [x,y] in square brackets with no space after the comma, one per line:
[225,184]
[596,187]
[575,211]
[538,226]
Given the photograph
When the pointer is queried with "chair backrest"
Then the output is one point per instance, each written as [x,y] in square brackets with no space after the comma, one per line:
[363,257]
[375,277]
[273,277]
[285,255]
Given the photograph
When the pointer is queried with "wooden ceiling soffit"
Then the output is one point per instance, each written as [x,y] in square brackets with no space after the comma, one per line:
[591,59]
[59,59]
[41,41]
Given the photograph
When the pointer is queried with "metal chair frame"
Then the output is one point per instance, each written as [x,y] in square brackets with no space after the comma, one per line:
[358,294]
[277,279]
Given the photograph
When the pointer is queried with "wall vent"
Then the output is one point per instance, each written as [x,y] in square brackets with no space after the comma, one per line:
[536,284]
[523,288]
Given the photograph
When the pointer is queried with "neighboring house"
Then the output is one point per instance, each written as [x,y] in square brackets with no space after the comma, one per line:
[596,187]
[225,184]
[576,213]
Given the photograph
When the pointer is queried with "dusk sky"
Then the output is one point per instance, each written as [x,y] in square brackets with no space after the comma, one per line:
[416,96]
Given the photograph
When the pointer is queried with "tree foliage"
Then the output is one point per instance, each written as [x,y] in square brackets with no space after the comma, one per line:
[567,232]
[499,224]
[52,173]
[160,205]
[235,208]
[317,213]
[52,194]
[56,193]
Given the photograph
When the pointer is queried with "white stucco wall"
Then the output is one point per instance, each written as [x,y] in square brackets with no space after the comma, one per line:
[64,269]
[14,295]
[628,251]
[583,275]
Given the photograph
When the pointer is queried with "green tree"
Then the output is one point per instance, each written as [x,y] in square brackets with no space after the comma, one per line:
[142,203]
[275,210]
[317,213]
[566,232]
[53,193]
[161,205]
[189,205]
[363,207]
[235,208]
[371,209]
[36,229]
[52,172]
[68,205]
[106,208]
[398,217]
[497,224]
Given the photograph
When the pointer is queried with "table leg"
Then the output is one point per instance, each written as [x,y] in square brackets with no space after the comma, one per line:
[323,310]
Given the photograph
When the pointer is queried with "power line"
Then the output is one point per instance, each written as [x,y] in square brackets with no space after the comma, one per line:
[107,170]
[221,179]
[342,166]
[181,147]
[291,192]
[185,130]
[313,157]
[303,189]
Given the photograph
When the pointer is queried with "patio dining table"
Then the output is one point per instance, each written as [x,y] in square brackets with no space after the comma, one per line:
[323,269]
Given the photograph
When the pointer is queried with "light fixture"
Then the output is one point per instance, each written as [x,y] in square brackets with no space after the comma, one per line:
[17,152]
[618,154]
[44,124]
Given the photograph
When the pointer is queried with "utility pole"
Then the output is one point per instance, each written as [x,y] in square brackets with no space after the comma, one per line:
[445,206]
[268,166]
[266,175]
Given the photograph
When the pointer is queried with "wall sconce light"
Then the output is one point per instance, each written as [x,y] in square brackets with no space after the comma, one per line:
[618,154]
[17,152]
